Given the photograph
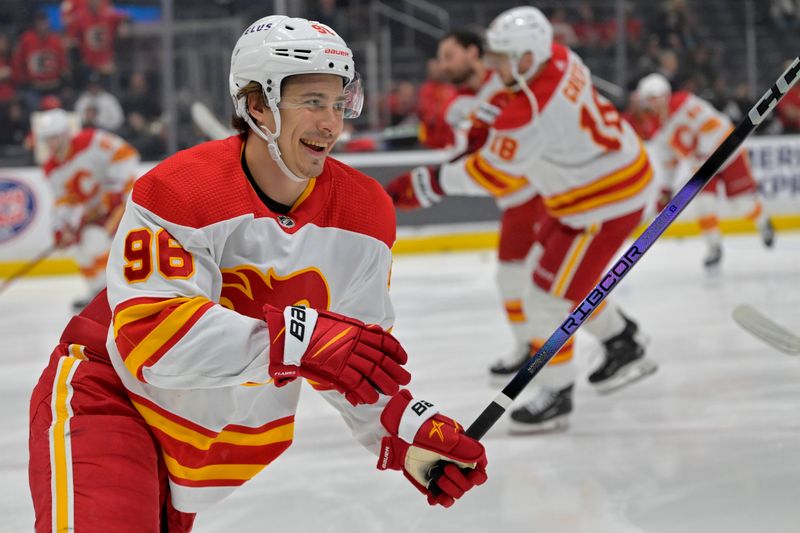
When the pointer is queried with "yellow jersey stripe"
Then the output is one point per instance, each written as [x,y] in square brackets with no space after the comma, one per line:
[139,311]
[241,472]
[199,441]
[162,333]
[598,185]
[598,201]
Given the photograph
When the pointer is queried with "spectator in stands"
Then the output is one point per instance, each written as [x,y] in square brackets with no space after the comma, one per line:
[7,88]
[434,94]
[701,68]
[590,31]
[145,136]
[669,66]
[648,61]
[138,97]
[788,110]
[40,63]
[142,128]
[98,107]
[785,14]
[14,128]
[675,25]
[402,103]
[563,32]
[94,28]
[330,14]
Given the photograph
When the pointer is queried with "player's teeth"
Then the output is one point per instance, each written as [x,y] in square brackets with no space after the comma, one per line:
[312,143]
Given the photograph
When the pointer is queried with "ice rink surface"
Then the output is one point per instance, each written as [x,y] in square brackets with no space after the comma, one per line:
[709,444]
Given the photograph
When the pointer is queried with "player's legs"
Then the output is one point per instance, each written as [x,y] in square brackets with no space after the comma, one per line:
[707,206]
[91,254]
[519,231]
[572,262]
[741,191]
[94,465]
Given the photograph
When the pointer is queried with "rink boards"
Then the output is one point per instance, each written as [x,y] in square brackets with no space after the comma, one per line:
[456,224]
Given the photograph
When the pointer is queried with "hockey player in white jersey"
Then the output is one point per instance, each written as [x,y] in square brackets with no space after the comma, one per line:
[687,130]
[240,265]
[91,173]
[560,141]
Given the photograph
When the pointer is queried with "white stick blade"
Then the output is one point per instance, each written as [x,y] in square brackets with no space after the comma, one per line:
[767,330]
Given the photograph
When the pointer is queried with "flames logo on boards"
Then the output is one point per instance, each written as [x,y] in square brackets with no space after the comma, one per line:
[17,208]
[245,289]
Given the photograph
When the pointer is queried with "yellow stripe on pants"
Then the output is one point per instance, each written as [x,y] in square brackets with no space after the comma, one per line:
[60,446]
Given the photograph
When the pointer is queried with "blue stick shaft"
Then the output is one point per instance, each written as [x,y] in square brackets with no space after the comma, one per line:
[634,253]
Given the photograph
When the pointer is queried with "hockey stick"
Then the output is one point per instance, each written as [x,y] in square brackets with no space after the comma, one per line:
[492,413]
[27,267]
[207,123]
[766,329]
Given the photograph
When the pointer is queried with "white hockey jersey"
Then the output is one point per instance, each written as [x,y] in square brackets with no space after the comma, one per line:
[691,131]
[572,147]
[197,256]
[95,176]
[480,105]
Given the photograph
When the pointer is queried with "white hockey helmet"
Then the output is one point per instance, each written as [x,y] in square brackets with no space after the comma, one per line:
[652,86]
[52,123]
[276,47]
[519,30]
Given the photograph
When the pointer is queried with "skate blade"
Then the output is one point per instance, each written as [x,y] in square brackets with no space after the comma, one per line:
[555,425]
[627,375]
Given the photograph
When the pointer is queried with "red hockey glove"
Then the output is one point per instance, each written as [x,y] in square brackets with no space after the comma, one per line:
[65,237]
[417,188]
[356,359]
[419,437]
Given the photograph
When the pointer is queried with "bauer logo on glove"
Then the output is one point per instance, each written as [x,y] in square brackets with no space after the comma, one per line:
[359,360]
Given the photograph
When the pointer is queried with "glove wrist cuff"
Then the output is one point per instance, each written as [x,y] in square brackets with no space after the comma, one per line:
[300,323]
[425,184]
[403,415]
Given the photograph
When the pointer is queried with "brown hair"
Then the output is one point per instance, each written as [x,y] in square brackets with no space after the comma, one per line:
[253,87]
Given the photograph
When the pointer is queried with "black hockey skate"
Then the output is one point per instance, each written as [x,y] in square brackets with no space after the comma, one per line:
[502,370]
[624,361]
[546,412]
[714,257]
[767,232]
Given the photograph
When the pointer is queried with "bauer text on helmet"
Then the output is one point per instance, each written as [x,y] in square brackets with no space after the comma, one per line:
[277,47]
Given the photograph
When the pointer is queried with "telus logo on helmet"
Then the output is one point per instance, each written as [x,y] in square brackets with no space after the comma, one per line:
[257,27]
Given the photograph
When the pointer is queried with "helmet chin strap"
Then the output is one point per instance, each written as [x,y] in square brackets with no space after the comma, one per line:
[523,84]
[272,140]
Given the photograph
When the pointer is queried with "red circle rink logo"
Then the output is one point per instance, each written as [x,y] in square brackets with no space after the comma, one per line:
[17,208]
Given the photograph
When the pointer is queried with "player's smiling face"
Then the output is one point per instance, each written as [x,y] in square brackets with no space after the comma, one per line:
[312,118]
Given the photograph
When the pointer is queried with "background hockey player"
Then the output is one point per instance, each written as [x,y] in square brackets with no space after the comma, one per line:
[91,173]
[479,91]
[557,138]
[239,266]
[685,129]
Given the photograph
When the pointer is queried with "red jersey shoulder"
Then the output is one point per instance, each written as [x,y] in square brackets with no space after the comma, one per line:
[677,100]
[358,203]
[77,144]
[518,112]
[198,186]
[81,141]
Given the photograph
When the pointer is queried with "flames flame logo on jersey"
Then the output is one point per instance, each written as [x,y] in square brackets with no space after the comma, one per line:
[245,289]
